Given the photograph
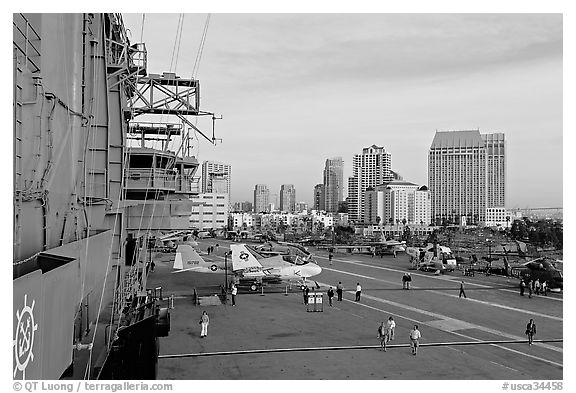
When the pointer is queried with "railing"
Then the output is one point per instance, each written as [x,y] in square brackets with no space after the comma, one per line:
[150,179]
[27,42]
[119,51]
[187,184]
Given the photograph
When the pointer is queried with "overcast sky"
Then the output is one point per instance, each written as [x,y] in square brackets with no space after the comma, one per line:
[295,89]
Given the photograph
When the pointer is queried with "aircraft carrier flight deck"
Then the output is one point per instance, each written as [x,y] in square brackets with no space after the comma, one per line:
[270,334]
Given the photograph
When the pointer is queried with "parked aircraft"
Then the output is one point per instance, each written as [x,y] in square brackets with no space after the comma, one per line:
[292,268]
[247,269]
[390,247]
[380,248]
[432,258]
[541,269]
[270,249]
[170,240]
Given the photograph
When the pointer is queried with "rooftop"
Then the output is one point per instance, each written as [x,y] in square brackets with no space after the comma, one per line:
[470,138]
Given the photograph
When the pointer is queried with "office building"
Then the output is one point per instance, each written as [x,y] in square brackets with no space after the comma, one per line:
[242,207]
[301,207]
[397,202]
[216,177]
[261,198]
[319,197]
[333,184]
[210,211]
[287,198]
[495,169]
[466,175]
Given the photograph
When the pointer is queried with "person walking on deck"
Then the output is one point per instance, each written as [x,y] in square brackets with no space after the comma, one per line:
[390,328]
[530,331]
[462,290]
[383,336]
[204,321]
[358,291]
[415,339]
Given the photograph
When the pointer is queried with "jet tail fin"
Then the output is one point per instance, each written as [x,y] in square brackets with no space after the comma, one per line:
[186,257]
[242,258]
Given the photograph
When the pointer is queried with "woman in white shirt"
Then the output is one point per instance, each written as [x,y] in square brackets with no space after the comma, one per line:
[390,327]
[204,321]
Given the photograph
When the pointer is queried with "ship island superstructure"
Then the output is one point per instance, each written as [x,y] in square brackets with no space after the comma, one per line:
[100,168]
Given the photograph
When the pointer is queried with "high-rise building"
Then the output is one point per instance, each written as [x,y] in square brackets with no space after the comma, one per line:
[261,198]
[495,169]
[216,177]
[466,173]
[287,198]
[319,197]
[369,169]
[333,183]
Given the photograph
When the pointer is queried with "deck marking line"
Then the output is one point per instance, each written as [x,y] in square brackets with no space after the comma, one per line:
[539,343]
[450,295]
[441,278]
[445,317]
[335,348]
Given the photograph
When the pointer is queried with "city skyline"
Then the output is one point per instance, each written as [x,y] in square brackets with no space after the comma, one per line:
[501,73]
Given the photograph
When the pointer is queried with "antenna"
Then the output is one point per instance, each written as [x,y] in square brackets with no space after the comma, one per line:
[214,118]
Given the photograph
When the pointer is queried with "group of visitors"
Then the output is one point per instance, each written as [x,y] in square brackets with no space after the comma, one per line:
[533,286]
[386,333]
[212,249]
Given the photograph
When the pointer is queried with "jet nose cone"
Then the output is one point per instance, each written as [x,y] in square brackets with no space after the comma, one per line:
[312,269]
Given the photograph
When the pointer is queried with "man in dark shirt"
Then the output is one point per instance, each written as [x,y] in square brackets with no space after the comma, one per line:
[462,290]
[339,289]
[330,296]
